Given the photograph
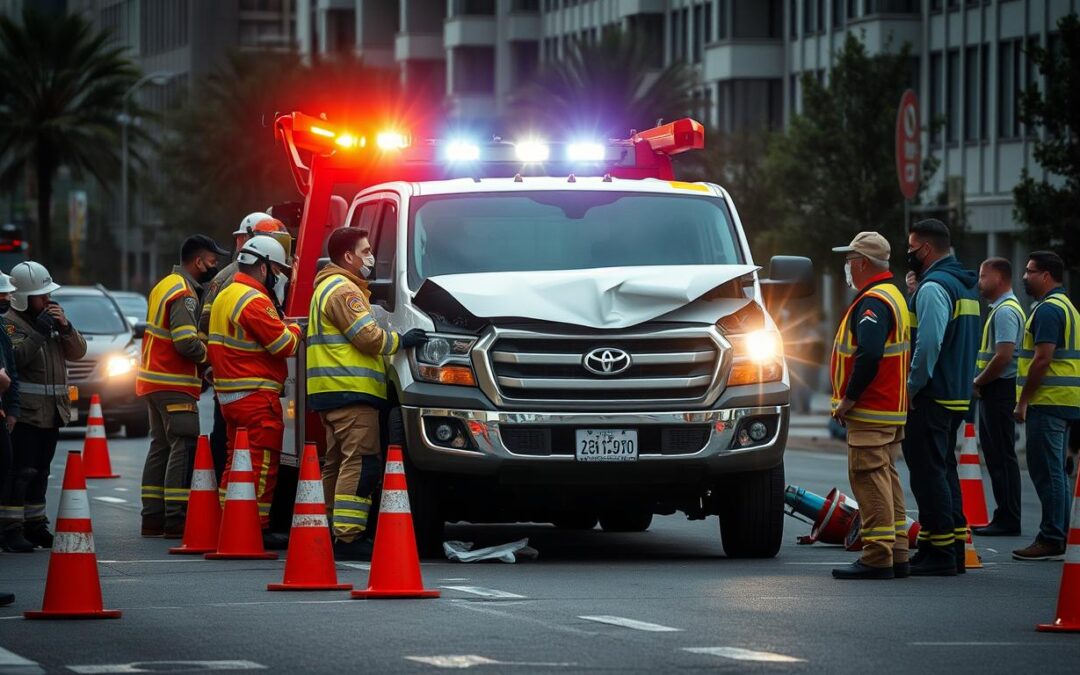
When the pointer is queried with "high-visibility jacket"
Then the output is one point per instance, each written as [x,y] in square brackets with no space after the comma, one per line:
[171,349]
[988,344]
[248,341]
[885,400]
[346,348]
[1061,384]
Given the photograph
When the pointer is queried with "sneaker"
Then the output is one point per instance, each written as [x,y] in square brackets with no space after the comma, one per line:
[1041,550]
[37,533]
[13,541]
[275,541]
[935,563]
[360,549]
[153,526]
[901,570]
[858,570]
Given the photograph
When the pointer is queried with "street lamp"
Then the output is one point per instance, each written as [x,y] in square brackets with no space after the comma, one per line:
[158,79]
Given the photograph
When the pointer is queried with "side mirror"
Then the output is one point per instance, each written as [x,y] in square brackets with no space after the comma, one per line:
[789,277]
[139,330]
[288,213]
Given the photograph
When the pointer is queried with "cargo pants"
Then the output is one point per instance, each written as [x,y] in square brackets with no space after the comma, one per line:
[174,431]
[353,467]
[260,413]
[872,453]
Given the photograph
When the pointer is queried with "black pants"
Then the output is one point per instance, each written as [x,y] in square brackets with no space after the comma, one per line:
[219,446]
[930,453]
[997,434]
[34,450]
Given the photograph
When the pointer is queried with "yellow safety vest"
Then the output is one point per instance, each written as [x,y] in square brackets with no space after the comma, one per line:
[333,363]
[986,350]
[1061,385]
[161,367]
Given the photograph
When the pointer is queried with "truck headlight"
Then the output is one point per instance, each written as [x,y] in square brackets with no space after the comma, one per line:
[119,365]
[759,357]
[444,359]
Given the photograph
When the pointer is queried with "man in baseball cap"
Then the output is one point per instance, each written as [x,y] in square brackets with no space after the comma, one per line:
[869,367]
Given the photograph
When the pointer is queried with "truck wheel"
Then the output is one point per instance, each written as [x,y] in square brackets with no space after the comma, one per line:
[752,513]
[137,427]
[575,521]
[626,521]
[423,495]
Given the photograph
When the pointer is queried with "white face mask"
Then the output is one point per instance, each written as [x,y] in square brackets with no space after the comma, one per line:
[847,274]
[368,265]
[280,281]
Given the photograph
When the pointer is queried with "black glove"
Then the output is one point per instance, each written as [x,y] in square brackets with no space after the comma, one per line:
[414,337]
[45,323]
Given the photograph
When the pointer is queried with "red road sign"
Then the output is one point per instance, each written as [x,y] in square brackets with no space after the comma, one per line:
[908,150]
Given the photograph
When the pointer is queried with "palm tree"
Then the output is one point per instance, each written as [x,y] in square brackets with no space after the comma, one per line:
[605,89]
[61,89]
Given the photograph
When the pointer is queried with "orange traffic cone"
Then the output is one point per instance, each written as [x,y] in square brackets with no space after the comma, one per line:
[395,565]
[204,511]
[72,588]
[240,537]
[309,565]
[95,447]
[972,559]
[1068,609]
[971,481]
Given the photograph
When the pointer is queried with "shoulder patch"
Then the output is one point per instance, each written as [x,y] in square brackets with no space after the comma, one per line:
[191,304]
[354,302]
[9,329]
[271,312]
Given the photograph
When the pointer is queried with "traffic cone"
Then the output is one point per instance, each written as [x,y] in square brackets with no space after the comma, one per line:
[72,587]
[972,559]
[1068,609]
[971,481]
[309,565]
[395,564]
[204,511]
[240,536]
[96,447]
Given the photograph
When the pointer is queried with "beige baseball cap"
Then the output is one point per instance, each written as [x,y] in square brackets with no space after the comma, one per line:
[870,244]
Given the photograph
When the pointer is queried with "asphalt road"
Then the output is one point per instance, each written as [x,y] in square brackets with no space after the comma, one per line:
[659,601]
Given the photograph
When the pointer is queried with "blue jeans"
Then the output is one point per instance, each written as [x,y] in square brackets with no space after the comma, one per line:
[1046,442]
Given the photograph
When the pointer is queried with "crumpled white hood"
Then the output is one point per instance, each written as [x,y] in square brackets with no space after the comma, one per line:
[609,297]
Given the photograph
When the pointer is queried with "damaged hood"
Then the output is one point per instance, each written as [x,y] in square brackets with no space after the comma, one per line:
[609,297]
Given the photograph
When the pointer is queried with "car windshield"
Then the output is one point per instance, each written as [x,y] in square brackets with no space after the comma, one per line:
[132,305]
[92,314]
[564,230]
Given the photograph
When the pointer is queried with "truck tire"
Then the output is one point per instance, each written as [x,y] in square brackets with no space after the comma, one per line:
[626,521]
[137,427]
[424,504]
[752,513]
[575,521]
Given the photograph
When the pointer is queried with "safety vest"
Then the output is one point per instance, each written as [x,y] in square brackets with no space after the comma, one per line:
[1061,384]
[333,363]
[161,367]
[986,346]
[242,362]
[885,400]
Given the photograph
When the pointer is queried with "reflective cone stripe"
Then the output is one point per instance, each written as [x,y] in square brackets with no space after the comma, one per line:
[971,481]
[95,447]
[395,564]
[72,586]
[203,522]
[240,536]
[309,565]
[1068,608]
[972,559]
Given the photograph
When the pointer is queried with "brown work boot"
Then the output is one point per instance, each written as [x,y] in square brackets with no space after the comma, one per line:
[1041,549]
[153,526]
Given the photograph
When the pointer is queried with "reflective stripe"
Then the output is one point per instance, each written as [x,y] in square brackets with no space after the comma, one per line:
[221,384]
[966,307]
[227,397]
[95,431]
[395,501]
[332,284]
[235,343]
[241,460]
[881,537]
[158,332]
[309,520]
[1058,353]
[73,504]
[163,378]
[954,405]
[309,492]
[241,492]
[203,480]
[390,342]
[395,467]
[879,530]
[862,415]
[283,341]
[894,349]
[349,518]
[42,389]
[334,339]
[969,472]
[346,371]
[159,315]
[244,299]
[359,325]
[1053,381]
[73,542]
[184,333]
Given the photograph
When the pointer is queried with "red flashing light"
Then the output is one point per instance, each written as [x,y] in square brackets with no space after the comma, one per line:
[674,137]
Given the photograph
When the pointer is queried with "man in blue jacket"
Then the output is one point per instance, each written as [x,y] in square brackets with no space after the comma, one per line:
[945,347]
[11,516]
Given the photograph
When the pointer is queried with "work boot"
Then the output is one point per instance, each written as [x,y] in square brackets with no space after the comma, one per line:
[936,562]
[996,530]
[1041,549]
[14,541]
[174,529]
[153,526]
[858,570]
[901,570]
[275,541]
[37,533]
[6,598]
[360,549]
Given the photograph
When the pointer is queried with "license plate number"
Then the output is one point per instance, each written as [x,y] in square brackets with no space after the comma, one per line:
[606,445]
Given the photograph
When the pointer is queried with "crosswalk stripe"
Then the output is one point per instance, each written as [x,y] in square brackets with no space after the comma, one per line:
[631,623]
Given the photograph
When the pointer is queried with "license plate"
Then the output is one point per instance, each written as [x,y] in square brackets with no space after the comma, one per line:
[606,445]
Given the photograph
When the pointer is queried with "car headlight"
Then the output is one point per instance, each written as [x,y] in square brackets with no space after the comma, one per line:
[759,357]
[120,365]
[444,359]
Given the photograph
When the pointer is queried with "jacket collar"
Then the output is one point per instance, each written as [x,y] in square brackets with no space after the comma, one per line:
[179,269]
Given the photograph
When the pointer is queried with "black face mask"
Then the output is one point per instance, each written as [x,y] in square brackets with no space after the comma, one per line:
[209,274]
[5,305]
[913,262]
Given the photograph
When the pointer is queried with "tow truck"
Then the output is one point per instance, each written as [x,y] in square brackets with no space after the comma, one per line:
[600,346]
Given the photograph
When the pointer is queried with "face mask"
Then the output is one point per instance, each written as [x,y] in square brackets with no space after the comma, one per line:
[281,281]
[209,274]
[913,262]
[847,274]
[5,305]
[367,266]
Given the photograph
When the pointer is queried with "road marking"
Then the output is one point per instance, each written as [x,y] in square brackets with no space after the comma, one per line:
[977,644]
[121,489]
[11,662]
[111,500]
[843,562]
[455,579]
[740,654]
[462,661]
[487,608]
[169,666]
[164,560]
[486,592]
[631,623]
[356,565]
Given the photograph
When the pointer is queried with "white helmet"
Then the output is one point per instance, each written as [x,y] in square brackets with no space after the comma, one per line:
[30,278]
[262,248]
[248,223]
[5,284]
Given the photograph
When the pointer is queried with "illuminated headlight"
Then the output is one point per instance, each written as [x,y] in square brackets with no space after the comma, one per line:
[532,151]
[444,359]
[759,357]
[585,152]
[120,365]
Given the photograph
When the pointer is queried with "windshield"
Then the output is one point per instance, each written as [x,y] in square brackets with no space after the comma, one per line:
[132,305]
[564,230]
[92,314]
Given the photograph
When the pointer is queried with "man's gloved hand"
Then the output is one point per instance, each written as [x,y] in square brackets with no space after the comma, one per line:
[45,323]
[414,337]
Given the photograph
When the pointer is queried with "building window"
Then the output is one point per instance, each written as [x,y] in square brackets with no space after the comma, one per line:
[820,12]
[984,87]
[699,33]
[809,20]
[952,97]
[163,26]
[525,6]
[708,32]
[971,94]
[794,18]
[838,13]
[466,7]
[937,108]
[758,19]
[1008,89]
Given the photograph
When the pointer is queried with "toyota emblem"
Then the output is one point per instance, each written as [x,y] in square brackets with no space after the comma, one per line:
[606,361]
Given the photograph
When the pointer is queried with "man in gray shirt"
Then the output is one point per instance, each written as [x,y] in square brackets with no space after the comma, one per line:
[995,389]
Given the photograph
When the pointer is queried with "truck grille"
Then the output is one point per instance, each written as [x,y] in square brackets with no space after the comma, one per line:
[559,440]
[80,371]
[666,366]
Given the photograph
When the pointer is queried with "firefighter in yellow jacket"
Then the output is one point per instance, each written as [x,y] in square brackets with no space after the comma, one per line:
[346,384]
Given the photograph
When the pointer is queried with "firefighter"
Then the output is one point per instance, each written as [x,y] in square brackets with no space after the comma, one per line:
[252,224]
[869,376]
[346,385]
[11,516]
[944,349]
[249,344]
[170,381]
[43,340]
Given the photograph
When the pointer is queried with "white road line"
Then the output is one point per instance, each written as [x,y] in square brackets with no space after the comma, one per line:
[488,608]
[486,592]
[121,489]
[111,500]
[455,579]
[463,661]
[164,560]
[174,666]
[11,662]
[631,623]
[739,654]
[355,565]
[979,644]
